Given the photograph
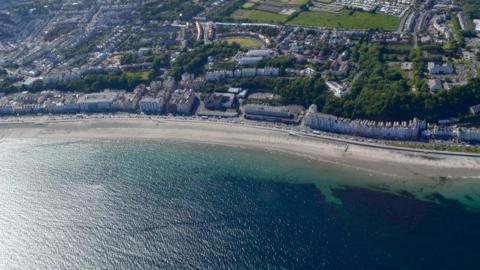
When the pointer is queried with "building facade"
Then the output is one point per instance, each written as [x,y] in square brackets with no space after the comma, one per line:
[365,128]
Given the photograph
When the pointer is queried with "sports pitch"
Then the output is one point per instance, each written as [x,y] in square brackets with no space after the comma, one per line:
[346,19]
[260,16]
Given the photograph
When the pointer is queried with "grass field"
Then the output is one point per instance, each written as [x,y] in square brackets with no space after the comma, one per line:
[248,5]
[345,20]
[281,2]
[143,75]
[248,43]
[260,16]
[448,148]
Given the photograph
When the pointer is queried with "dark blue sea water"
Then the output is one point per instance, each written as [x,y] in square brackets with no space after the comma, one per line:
[154,205]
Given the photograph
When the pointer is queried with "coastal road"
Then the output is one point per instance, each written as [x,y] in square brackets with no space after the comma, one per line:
[32,122]
[387,147]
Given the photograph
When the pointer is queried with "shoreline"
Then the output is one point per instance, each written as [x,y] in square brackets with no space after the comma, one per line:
[369,157]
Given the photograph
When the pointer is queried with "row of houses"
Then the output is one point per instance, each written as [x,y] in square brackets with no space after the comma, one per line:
[77,73]
[183,102]
[365,128]
[219,75]
[468,134]
[180,101]
[155,102]
[253,57]
[56,102]
[453,133]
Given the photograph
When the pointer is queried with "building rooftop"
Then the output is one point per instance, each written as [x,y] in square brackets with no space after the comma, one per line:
[98,97]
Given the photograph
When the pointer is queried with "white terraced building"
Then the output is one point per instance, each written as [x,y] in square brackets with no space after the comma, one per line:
[249,60]
[152,104]
[260,53]
[96,102]
[182,102]
[63,103]
[219,75]
[468,134]
[364,128]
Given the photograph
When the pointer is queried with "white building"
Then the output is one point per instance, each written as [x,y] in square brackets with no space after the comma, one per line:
[126,102]
[249,61]
[268,113]
[476,22]
[440,69]
[182,102]
[219,75]
[234,90]
[468,134]
[365,128]
[407,66]
[97,102]
[337,89]
[62,107]
[475,110]
[6,109]
[152,105]
[260,53]
[435,85]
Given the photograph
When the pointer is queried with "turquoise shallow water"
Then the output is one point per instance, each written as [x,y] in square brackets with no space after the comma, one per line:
[143,205]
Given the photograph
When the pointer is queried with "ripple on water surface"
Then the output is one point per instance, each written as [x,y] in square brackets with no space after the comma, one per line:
[142,205]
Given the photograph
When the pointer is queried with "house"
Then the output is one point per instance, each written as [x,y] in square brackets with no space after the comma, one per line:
[435,86]
[219,101]
[407,66]
[337,89]
[475,110]
[97,102]
[476,22]
[152,105]
[437,69]
[249,61]
[260,53]
[234,90]
[182,102]
[469,56]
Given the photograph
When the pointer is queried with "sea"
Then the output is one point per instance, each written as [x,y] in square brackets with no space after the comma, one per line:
[124,204]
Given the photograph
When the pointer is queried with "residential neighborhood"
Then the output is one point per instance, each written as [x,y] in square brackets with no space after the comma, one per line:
[126,59]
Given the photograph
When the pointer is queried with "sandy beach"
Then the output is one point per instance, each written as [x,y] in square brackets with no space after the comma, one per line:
[369,159]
